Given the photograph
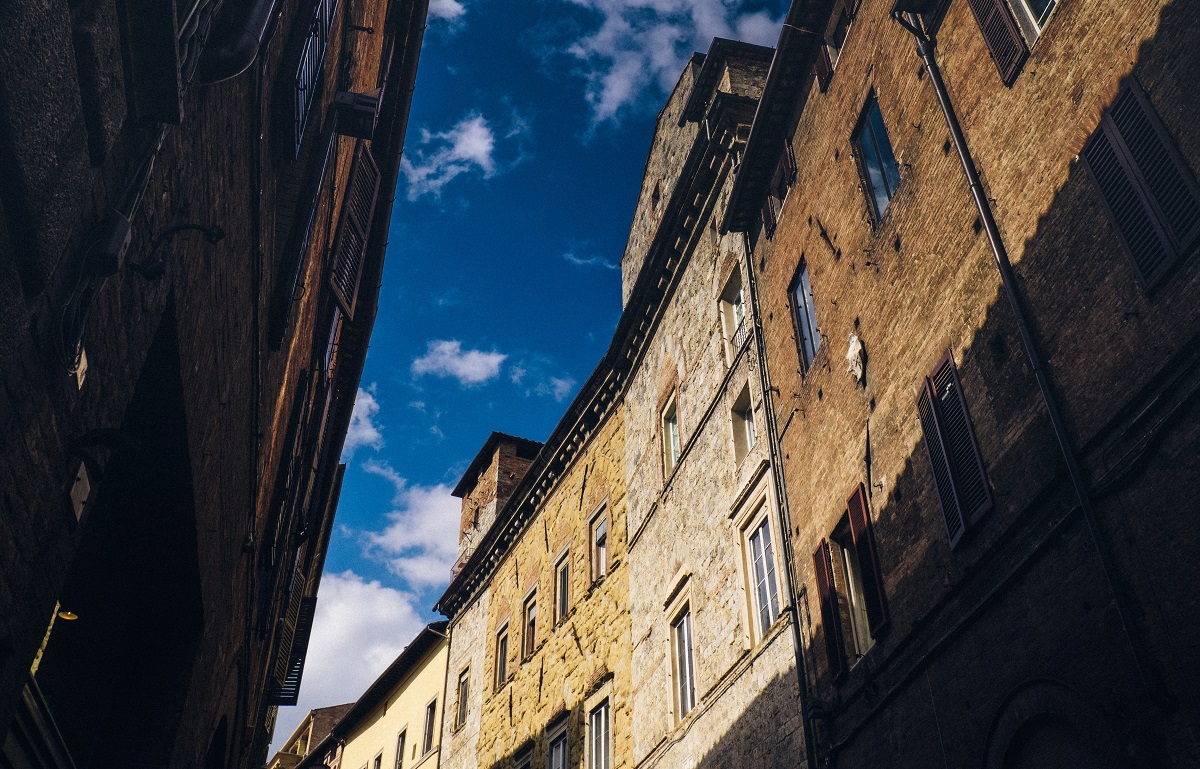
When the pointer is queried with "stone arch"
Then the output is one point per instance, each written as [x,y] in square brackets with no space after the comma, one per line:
[1046,725]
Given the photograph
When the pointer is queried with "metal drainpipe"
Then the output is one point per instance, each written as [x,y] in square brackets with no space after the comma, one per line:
[784,522]
[925,49]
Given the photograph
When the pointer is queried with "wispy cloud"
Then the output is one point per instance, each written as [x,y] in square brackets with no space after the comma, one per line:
[447,10]
[469,146]
[558,387]
[363,429]
[642,45]
[420,542]
[590,261]
[532,375]
[447,358]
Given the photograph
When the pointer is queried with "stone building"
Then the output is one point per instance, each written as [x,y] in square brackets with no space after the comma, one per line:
[194,209]
[397,721]
[976,278]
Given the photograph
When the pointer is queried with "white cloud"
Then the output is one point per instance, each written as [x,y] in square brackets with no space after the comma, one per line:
[467,145]
[590,261]
[641,44]
[363,430]
[559,387]
[420,542]
[447,10]
[447,358]
[359,629]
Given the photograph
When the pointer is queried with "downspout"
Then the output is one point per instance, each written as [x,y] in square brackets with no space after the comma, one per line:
[1150,679]
[784,511]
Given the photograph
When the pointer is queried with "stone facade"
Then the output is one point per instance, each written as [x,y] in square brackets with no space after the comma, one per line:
[1036,635]
[176,379]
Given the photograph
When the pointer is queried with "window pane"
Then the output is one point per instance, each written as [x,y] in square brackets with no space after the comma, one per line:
[883,144]
[400,750]
[1039,10]
[685,677]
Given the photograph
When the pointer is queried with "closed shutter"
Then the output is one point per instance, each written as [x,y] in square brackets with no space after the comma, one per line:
[289,692]
[1149,193]
[290,621]
[950,440]
[868,560]
[1003,37]
[349,247]
[834,644]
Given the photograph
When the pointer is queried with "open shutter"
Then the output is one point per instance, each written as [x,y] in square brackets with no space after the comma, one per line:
[289,691]
[953,451]
[834,644]
[1149,193]
[289,622]
[868,560]
[823,68]
[349,247]
[1003,37]
[768,216]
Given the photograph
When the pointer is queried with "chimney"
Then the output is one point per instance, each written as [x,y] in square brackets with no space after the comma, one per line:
[486,486]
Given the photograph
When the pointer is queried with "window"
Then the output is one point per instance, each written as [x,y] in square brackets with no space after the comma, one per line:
[400,749]
[529,641]
[430,715]
[309,70]
[835,38]
[1002,36]
[599,545]
[742,418]
[733,315]
[464,690]
[1032,16]
[876,161]
[556,757]
[562,587]
[850,587]
[670,436]
[953,452]
[354,229]
[501,657]
[804,315]
[764,588]
[682,664]
[1149,192]
[599,738]
[524,760]
[378,762]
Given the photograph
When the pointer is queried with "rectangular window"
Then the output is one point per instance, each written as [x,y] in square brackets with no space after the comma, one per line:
[400,749]
[524,760]
[529,640]
[958,472]
[599,546]
[600,738]
[670,436]
[742,419]
[804,314]
[556,757]
[309,70]
[378,762]
[1004,40]
[464,688]
[835,38]
[765,590]
[681,652]
[733,316]
[430,723]
[1032,16]
[501,657]
[562,588]
[876,161]
[1149,192]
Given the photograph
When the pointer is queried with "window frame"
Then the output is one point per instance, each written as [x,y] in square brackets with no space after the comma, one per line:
[562,587]
[500,670]
[556,736]
[1032,27]
[755,523]
[672,435]
[804,319]
[867,123]
[428,736]
[600,757]
[601,557]
[683,666]
[742,422]
[464,692]
[401,740]
[847,566]
[529,626]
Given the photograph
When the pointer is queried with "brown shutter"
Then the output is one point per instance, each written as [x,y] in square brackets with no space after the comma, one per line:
[868,560]
[835,647]
[1003,37]
[768,216]
[289,691]
[1149,193]
[290,619]
[349,247]
[953,451]
[823,68]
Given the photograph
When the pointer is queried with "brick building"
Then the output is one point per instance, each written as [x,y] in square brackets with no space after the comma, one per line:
[976,282]
[195,204]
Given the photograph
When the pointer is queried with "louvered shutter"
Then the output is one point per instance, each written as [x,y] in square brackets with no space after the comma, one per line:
[768,216]
[1003,37]
[289,692]
[290,621]
[834,644]
[950,440]
[1149,193]
[868,560]
[349,247]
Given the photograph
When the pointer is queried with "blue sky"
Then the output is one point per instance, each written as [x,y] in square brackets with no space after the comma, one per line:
[529,130]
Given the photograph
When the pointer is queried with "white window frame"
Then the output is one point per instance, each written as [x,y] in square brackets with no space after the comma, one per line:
[562,592]
[558,736]
[377,762]
[762,570]
[732,305]
[683,660]
[599,524]
[1030,25]
[741,417]
[672,438]
[401,744]
[848,572]
[599,738]
[500,662]
[464,693]
[528,636]
[428,733]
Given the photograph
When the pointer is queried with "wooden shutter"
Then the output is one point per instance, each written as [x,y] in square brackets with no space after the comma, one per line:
[1003,37]
[349,247]
[768,216]
[289,690]
[835,646]
[953,451]
[290,620]
[868,560]
[1149,193]
[823,68]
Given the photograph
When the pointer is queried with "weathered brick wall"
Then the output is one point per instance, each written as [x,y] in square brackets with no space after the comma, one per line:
[923,280]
